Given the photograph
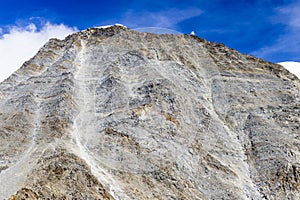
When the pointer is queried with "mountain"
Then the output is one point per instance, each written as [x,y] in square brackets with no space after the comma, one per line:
[111,113]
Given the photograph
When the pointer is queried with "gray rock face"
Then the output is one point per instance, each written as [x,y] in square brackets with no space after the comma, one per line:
[116,114]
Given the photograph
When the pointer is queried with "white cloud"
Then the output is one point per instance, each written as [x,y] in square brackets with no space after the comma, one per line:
[165,19]
[289,42]
[22,43]
[290,15]
[293,67]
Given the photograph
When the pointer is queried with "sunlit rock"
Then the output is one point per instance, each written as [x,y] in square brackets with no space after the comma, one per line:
[111,113]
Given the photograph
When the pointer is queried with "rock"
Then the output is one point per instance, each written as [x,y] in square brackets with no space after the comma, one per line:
[111,113]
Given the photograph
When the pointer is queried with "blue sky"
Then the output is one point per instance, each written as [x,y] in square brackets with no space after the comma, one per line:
[265,28]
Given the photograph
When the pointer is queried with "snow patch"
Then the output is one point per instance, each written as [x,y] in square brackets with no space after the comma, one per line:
[108,26]
[105,26]
[293,67]
[121,25]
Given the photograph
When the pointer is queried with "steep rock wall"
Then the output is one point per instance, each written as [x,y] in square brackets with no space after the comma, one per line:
[116,114]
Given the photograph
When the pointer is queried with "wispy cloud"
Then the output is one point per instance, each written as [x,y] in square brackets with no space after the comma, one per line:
[290,14]
[288,43]
[165,19]
[20,43]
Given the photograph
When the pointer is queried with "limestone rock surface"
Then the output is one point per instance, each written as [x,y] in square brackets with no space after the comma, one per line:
[111,113]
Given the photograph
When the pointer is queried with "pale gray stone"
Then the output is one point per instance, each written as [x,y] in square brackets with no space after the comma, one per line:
[112,113]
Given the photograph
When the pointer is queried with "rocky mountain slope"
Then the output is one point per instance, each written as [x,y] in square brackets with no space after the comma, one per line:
[112,113]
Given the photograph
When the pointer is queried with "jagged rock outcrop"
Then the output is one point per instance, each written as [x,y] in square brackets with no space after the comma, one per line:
[112,113]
